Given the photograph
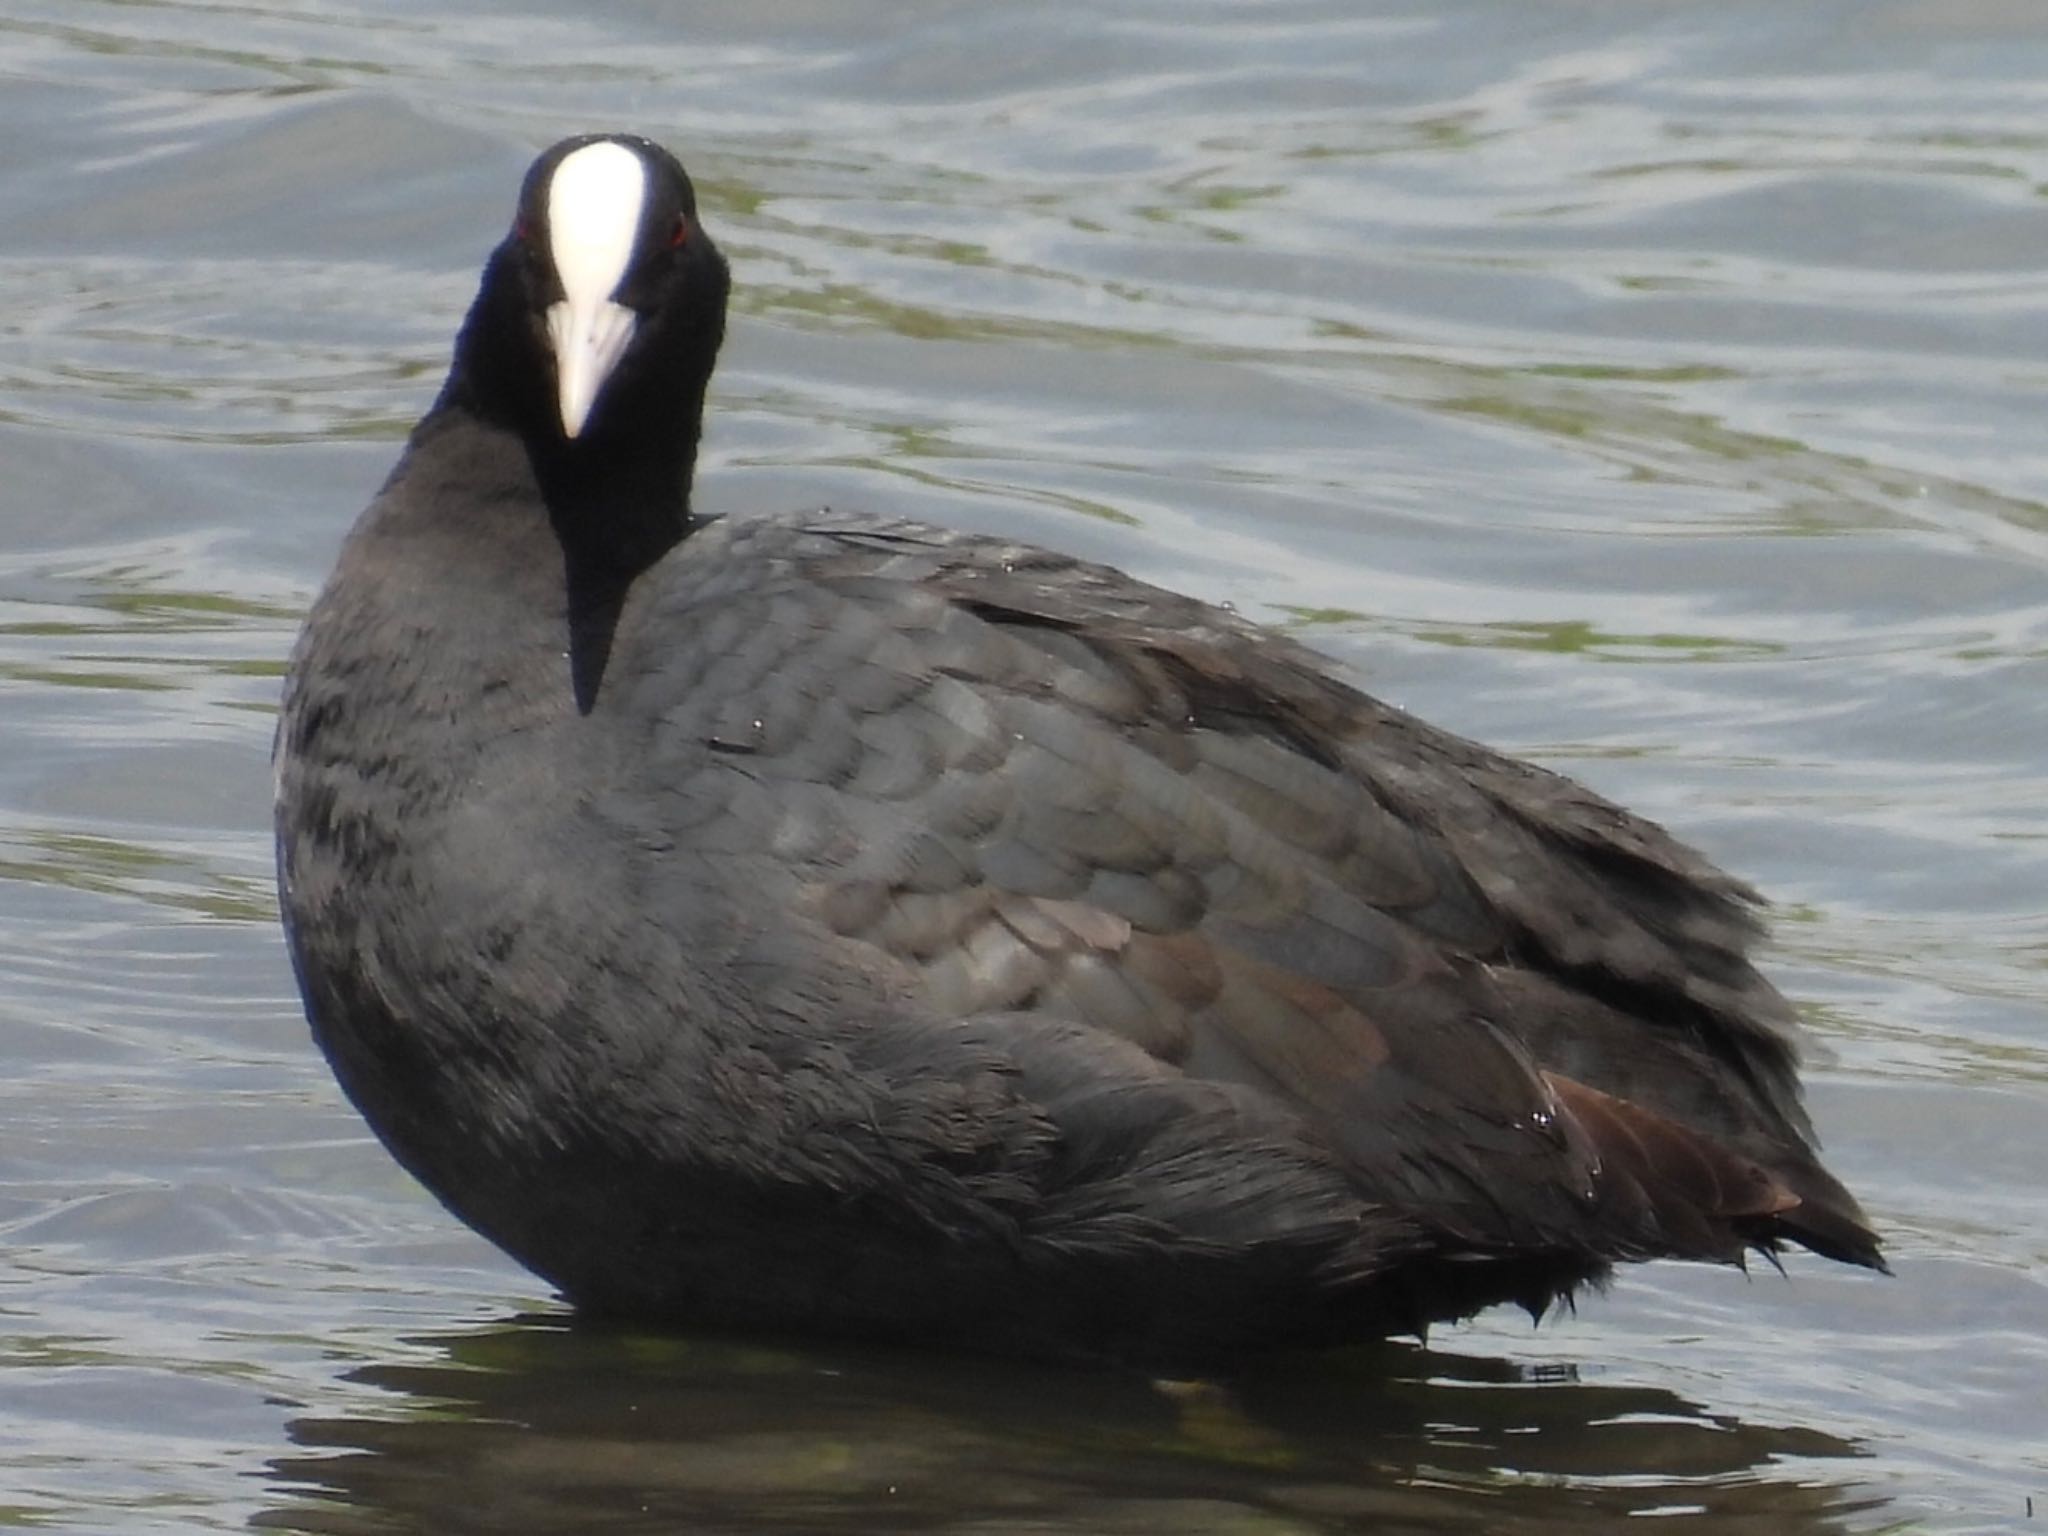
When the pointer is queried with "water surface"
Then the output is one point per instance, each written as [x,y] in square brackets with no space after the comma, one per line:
[1649,389]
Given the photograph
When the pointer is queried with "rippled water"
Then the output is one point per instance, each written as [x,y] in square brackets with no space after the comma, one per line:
[1650,389]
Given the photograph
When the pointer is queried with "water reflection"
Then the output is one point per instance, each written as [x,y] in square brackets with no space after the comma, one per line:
[541,1426]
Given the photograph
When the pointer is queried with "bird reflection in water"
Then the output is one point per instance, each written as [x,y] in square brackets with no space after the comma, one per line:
[543,1426]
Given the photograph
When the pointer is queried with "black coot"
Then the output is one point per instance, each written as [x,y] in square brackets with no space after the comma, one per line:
[837,924]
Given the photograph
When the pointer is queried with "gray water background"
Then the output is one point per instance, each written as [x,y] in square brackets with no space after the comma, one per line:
[1652,389]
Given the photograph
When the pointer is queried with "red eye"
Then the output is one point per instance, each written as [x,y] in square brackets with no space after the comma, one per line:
[680,233]
[521,231]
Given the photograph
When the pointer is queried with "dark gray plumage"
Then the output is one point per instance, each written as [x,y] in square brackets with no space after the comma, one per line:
[833,923]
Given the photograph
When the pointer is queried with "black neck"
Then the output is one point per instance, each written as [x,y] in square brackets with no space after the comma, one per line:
[614,515]
[618,495]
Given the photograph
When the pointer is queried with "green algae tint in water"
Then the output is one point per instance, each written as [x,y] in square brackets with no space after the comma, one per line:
[1650,390]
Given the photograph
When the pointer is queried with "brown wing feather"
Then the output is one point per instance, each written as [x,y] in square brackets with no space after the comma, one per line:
[1060,792]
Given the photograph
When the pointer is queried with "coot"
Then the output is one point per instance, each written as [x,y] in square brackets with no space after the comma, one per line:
[836,924]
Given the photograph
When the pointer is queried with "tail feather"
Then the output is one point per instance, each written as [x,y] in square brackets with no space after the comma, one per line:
[1674,1191]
